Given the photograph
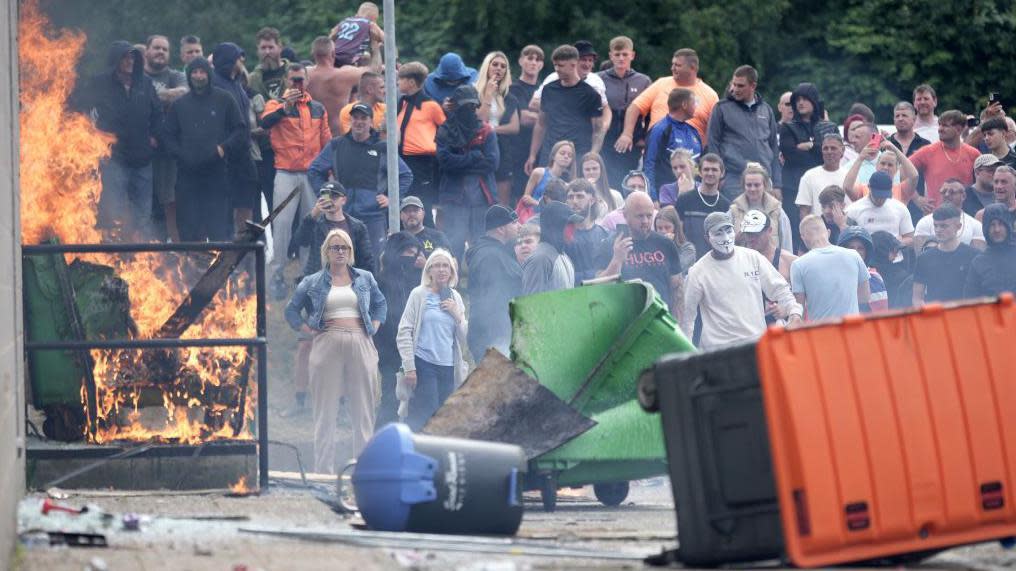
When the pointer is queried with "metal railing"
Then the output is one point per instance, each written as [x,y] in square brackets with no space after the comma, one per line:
[259,342]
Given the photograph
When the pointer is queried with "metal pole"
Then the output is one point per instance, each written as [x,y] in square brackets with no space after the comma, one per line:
[262,327]
[391,117]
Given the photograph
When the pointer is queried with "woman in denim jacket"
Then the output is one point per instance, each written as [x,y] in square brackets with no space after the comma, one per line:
[344,307]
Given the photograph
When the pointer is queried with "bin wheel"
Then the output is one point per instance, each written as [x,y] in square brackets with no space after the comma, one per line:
[646,392]
[611,493]
[548,492]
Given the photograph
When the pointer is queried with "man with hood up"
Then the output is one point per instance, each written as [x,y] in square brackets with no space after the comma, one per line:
[467,158]
[124,103]
[801,146]
[451,73]
[495,277]
[242,174]
[203,128]
[994,270]
[401,265]
[549,268]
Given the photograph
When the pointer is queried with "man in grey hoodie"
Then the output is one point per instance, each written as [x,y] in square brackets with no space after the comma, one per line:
[550,268]
[743,129]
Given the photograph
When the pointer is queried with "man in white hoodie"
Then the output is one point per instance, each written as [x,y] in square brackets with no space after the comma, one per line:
[726,287]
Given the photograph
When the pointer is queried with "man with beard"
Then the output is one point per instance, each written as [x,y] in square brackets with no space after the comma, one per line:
[202,128]
[550,268]
[123,103]
[467,156]
[588,236]
[635,251]
[401,265]
[242,175]
[994,270]
[495,277]
[982,192]
[170,85]
[726,287]
[268,78]
[411,215]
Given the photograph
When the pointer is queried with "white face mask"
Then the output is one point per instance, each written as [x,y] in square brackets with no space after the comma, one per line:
[722,239]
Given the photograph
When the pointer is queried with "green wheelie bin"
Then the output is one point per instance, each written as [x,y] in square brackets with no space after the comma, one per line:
[588,346]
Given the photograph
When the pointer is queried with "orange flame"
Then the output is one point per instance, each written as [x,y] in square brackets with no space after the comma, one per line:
[60,153]
[240,487]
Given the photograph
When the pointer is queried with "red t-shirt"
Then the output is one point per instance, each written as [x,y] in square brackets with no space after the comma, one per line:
[939,164]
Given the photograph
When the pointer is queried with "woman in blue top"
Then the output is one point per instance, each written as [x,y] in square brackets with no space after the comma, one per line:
[561,165]
[342,307]
[431,336]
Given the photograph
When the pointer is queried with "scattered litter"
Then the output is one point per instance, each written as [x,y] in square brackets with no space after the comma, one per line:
[131,522]
[97,564]
[436,542]
[72,539]
[57,494]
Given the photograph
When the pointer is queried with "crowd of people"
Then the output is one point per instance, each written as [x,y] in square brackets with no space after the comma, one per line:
[738,214]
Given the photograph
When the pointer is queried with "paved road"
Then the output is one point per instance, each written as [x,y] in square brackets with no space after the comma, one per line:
[643,525]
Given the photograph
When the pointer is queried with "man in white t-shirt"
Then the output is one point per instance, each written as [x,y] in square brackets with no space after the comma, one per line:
[880,211]
[970,232]
[726,287]
[830,173]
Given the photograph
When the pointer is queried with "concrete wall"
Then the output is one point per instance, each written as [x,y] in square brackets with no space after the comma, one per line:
[12,406]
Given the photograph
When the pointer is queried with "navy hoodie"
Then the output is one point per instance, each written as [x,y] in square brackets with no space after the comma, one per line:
[134,115]
[198,122]
[994,270]
[224,58]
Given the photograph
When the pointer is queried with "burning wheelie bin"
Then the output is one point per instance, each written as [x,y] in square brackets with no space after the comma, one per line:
[568,395]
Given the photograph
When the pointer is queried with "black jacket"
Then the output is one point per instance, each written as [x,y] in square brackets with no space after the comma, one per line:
[133,115]
[198,122]
[797,162]
[994,270]
[495,277]
[397,278]
[225,57]
[312,233]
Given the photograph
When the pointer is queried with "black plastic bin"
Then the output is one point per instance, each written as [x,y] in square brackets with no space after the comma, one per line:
[718,453]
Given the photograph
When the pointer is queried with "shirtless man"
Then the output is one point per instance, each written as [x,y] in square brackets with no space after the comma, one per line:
[330,85]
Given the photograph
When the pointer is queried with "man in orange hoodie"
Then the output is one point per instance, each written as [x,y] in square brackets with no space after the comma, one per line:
[298,128]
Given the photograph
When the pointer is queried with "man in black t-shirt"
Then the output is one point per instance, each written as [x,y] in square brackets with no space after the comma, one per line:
[942,272]
[530,62]
[570,110]
[694,206]
[640,253]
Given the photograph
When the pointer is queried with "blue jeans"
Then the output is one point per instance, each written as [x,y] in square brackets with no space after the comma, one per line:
[433,385]
[126,201]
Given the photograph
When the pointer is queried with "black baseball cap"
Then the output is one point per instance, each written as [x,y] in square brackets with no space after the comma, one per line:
[585,48]
[332,187]
[362,108]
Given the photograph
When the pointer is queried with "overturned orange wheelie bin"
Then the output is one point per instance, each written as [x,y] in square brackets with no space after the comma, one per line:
[874,438]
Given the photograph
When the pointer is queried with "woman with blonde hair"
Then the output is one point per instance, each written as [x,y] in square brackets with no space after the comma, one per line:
[595,171]
[560,165]
[757,195]
[431,338]
[344,308]
[500,109]
[683,167]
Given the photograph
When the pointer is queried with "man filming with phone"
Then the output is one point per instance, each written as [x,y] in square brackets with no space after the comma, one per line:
[298,128]
[635,251]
